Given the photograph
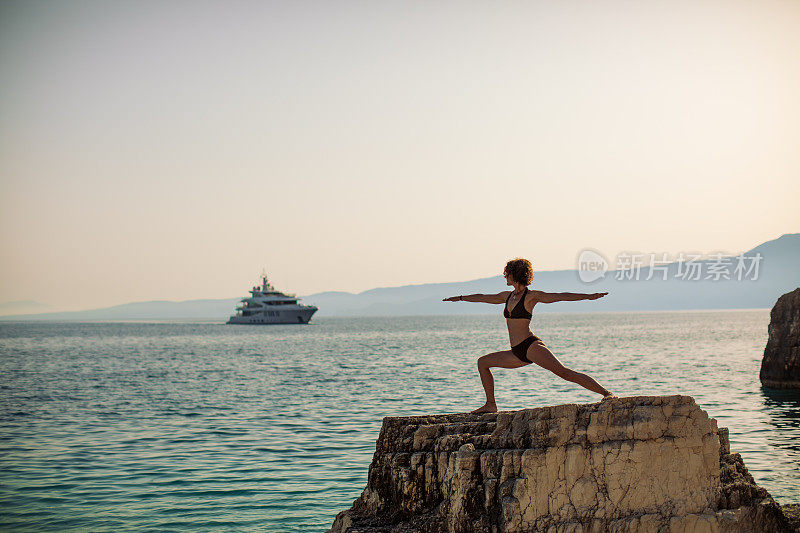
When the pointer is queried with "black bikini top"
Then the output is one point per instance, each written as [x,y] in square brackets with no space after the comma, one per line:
[519,310]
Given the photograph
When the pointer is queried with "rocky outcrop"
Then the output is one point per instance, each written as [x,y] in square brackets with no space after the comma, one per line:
[637,464]
[780,367]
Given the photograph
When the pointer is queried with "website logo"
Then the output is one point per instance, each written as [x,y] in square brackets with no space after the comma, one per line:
[591,265]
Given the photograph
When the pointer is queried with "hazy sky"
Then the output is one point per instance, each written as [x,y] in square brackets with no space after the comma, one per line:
[171,150]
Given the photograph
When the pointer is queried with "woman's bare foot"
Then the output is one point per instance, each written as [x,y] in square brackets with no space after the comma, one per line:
[486,408]
[609,396]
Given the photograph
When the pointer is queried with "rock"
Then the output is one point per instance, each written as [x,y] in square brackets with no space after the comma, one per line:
[792,512]
[636,464]
[780,368]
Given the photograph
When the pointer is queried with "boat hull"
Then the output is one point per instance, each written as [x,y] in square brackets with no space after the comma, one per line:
[293,316]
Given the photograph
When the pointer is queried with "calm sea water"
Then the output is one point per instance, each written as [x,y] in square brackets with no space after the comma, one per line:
[208,427]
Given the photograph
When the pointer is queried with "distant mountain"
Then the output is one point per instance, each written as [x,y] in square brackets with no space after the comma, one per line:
[153,310]
[23,306]
[778,273]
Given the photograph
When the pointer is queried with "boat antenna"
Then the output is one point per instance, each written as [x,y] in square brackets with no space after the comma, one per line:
[265,282]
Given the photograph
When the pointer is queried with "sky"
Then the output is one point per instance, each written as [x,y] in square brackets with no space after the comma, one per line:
[174,150]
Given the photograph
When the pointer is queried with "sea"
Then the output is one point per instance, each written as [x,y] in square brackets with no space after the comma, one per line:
[202,426]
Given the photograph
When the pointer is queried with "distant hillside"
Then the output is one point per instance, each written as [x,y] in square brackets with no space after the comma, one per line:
[154,310]
[778,274]
[23,306]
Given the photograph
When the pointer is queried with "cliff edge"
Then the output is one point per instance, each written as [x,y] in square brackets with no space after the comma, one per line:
[780,367]
[636,464]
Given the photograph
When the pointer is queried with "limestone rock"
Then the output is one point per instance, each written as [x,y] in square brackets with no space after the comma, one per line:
[780,367]
[792,512]
[637,464]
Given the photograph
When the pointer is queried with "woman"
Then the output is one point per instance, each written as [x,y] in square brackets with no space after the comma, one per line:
[526,348]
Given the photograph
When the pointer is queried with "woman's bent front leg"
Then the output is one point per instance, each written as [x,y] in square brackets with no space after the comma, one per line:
[504,359]
[542,356]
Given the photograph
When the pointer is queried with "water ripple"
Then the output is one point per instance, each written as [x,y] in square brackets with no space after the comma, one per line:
[205,427]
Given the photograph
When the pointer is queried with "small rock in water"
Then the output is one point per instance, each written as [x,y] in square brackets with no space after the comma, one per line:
[780,367]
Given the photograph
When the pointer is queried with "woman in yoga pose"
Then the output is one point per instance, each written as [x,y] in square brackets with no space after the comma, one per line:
[526,348]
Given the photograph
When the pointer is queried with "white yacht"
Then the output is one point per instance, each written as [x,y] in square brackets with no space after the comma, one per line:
[265,305]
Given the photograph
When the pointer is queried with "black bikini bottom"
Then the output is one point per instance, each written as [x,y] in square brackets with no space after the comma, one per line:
[521,349]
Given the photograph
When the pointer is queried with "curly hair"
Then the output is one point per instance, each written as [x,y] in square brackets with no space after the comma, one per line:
[520,270]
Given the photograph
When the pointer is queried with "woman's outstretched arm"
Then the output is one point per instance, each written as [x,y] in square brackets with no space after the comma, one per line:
[551,297]
[498,298]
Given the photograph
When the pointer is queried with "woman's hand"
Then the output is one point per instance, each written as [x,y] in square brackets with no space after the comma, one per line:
[451,299]
[596,295]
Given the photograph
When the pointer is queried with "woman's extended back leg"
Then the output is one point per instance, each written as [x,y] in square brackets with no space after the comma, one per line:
[542,356]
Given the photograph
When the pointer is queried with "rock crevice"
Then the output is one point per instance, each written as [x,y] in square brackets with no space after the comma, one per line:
[646,463]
